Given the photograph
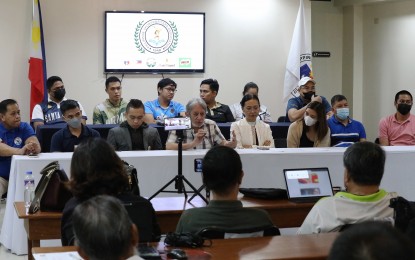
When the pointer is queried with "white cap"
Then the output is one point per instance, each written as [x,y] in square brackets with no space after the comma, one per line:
[304,81]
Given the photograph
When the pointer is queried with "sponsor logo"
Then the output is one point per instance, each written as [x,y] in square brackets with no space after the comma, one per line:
[151,62]
[185,62]
[126,62]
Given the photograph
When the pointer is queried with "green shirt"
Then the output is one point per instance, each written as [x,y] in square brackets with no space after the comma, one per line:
[107,113]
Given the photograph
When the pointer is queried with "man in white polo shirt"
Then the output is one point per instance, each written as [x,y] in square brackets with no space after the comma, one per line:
[364,163]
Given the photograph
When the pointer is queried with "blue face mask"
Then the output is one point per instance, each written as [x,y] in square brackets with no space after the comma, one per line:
[342,113]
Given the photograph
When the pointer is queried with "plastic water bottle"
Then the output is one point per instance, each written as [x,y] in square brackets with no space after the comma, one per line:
[29,189]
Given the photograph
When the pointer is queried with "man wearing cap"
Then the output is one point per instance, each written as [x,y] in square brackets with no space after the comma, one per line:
[296,106]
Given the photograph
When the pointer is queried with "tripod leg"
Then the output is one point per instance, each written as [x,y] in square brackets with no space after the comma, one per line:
[195,190]
[162,189]
[199,190]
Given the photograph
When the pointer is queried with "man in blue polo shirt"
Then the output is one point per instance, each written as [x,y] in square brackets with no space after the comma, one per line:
[16,138]
[163,106]
[296,106]
[344,131]
[66,139]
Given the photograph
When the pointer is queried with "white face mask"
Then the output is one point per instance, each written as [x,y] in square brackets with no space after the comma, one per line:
[309,121]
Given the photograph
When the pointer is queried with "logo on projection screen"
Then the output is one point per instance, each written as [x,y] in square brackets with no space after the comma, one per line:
[156,36]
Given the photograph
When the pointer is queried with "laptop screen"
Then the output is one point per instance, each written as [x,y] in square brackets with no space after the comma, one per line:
[308,183]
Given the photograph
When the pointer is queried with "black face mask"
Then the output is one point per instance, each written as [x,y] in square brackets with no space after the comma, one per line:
[59,94]
[404,108]
[309,95]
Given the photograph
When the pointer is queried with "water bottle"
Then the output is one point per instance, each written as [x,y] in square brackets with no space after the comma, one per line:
[29,189]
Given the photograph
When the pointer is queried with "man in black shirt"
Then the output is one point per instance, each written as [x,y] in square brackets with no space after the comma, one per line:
[216,111]
[134,134]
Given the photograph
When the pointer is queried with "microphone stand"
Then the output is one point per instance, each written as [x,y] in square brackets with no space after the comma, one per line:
[179,178]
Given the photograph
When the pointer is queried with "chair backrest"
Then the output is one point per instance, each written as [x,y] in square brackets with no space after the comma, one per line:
[216,233]
[281,119]
[280,142]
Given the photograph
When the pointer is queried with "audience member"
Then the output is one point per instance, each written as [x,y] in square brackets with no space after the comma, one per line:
[372,240]
[344,130]
[96,169]
[50,113]
[222,174]
[67,138]
[163,106]
[399,128]
[216,111]
[236,109]
[112,110]
[364,164]
[103,230]
[310,131]
[296,106]
[134,134]
[16,138]
[251,132]
[204,133]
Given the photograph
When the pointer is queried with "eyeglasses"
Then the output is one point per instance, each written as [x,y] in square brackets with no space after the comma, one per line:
[408,102]
[171,90]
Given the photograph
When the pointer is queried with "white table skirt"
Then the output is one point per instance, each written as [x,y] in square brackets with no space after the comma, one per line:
[155,168]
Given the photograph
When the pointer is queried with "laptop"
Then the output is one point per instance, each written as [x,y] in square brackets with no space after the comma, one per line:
[308,184]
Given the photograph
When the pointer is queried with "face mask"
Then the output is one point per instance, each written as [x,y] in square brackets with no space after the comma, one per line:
[309,121]
[309,95]
[404,108]
[74,122]
[59,94]
[342,113]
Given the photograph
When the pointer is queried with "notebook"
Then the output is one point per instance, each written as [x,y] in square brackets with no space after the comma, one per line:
[308,184]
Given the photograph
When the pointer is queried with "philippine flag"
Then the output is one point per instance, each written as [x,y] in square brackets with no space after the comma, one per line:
[299,57]
[37,61]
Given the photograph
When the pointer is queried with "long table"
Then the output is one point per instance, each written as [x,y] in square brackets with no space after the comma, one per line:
[46,225]
[262,168]
[44,132]
[279,247]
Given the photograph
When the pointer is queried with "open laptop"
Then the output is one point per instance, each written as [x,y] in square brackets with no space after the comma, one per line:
[308,184]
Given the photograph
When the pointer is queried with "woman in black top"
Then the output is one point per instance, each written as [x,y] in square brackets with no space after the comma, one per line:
[310,131]
[96,169]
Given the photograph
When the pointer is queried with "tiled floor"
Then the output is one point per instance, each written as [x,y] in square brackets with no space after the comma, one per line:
[4,253]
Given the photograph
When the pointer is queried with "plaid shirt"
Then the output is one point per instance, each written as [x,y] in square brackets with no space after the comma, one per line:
[213,136]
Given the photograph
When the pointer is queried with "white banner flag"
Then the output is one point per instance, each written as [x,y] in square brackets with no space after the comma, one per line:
[299,57]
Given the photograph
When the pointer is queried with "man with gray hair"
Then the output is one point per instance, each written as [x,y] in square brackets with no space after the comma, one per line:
[204,134]
[103,230]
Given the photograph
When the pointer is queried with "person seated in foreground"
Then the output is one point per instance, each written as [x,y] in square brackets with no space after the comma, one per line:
[134,134]
[372,240]
[111,110]
[204,134]
[222,174]
[96,169]
[236,109]
[16,138]
[363,200]
[67,138]
[251,132]
[103,230]
[311,130]
[296,106]
[344,130]
[218,112]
